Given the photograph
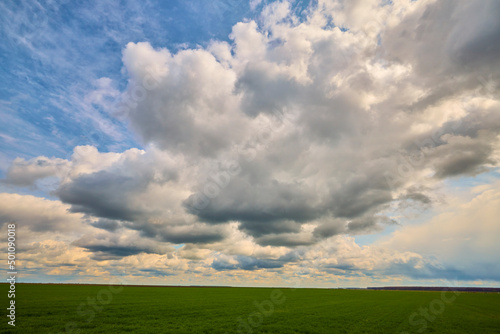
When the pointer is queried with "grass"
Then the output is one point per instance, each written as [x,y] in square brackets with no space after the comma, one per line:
[52,308]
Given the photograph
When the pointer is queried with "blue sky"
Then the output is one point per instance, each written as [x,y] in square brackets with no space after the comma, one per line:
[274,142]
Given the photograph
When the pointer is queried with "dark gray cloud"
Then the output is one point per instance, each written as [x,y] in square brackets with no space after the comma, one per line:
[478,121]
[429,39]
[328,120]
[368,223]
[112,192]
[103,252]
[107,224]
[262,201]
[462,157]
[360,194]
[465,146]
[264,227]
[178,232]
[192,234]
[108,246]
[329,228]
[417,197]
[285,239]
[475,40]
[104,194]
[264,92]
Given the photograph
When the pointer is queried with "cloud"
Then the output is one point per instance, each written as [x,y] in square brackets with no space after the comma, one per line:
[329,228]
[106,246]
[274,200]
[26,173]
[192,233]
[461,156]
[107,224]
[188,102]
[245,263]
[461,236]
[315,137]
[109,192]
[254,4]
[286,239]
[38,214]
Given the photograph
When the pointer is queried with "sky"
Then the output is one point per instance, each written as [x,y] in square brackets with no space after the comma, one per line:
[322,143]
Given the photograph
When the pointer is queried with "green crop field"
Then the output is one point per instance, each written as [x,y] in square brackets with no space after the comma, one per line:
[106,309]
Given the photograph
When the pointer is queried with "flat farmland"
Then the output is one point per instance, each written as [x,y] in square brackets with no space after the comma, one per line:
[131,309]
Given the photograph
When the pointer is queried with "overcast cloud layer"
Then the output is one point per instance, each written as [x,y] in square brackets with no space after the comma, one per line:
[263,158]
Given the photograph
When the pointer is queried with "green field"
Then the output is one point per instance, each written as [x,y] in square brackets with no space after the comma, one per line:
[100,309]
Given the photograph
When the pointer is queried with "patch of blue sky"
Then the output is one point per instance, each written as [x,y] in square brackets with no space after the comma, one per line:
[43,188]
[368,239]
[302,8]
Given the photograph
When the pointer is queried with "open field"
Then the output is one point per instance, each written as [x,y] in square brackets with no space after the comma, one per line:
[127,309]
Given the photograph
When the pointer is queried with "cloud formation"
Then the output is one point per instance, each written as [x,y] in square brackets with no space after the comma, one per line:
[304,130]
